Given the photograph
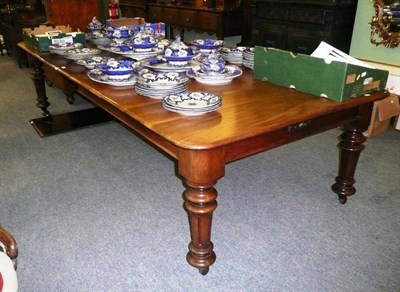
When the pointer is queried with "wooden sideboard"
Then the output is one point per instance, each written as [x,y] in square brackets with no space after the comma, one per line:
[300,25]
[134,8]
[75,13]
[220,22]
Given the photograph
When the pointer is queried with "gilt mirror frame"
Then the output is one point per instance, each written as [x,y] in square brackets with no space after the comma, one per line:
[385,24]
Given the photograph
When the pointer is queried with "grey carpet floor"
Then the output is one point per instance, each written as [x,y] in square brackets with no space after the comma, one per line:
[98,209]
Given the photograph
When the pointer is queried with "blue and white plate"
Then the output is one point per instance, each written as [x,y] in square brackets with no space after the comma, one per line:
[129,51]
[162,80]
[75,54]
[207,45]
[91,62]
[161,64]
[215,78]
[192,103]
[60,49]
[98,76]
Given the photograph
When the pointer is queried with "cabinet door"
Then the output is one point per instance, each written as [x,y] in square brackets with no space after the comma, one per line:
[209,21]
[154,14]
[75,13]
[270,35]
[133,11]
[188,18]
[304,39]
[171,16]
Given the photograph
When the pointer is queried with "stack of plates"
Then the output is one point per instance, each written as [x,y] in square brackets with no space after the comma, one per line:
[192,103]
[76,54]
[215,78]
[248,58]
[60,49]
[232,55]
[159,84]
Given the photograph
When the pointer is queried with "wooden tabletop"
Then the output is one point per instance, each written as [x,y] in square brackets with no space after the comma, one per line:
[249,107]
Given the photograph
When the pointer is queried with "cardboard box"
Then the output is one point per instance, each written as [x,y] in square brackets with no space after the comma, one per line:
[41,37]
[157,29]
[137,22]
[383,111]
[337,80]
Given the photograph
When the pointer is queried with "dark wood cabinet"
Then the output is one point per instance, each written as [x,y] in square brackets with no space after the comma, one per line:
[220,22]
[299,25]
[76,13]
[133,8]
[14,16]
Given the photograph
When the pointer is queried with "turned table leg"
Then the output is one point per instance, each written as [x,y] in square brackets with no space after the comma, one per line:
[200,203]
[39,81]
[350,147]
[200,171]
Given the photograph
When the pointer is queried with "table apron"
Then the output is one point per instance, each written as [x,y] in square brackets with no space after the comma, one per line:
[279,137]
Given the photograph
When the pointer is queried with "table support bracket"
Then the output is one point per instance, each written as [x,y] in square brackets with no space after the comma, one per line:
[60,123]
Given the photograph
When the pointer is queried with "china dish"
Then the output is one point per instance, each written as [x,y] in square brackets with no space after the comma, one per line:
[98,76]
[61,48]
[178,53]
[91,62]
[248,58]
[75,54]
[207,45]
[128,51]
[192,103]
[159,84]
[94,25]
[232,55]
[143,41]
[215,78]
[160,64]
[118,69]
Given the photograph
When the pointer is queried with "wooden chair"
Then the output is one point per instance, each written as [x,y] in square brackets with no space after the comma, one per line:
[8,261]
[8,245]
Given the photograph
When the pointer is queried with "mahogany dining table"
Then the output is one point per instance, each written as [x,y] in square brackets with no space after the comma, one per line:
[255,116]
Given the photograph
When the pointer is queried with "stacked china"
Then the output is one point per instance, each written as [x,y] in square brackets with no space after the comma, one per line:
[159,84]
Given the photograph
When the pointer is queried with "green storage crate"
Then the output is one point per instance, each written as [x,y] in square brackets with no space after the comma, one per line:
[42,37]
[337,80]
